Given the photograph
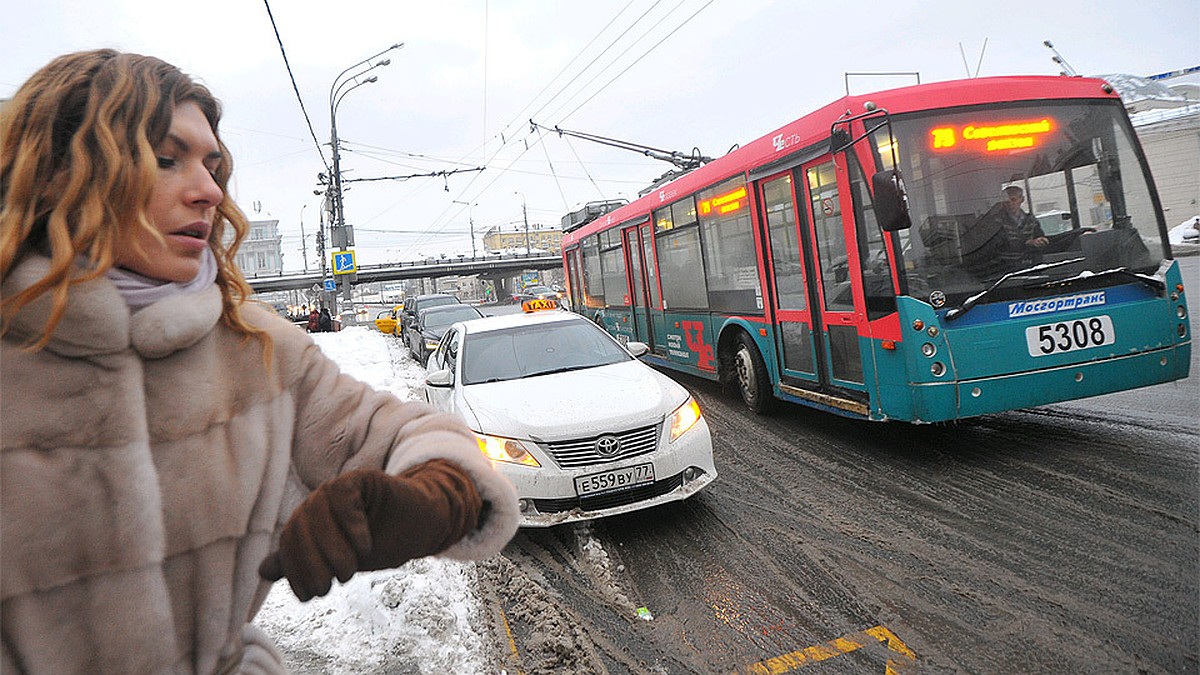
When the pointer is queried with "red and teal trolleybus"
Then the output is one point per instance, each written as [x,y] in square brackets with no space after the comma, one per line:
[924,254]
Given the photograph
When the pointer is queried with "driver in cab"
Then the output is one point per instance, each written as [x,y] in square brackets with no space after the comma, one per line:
[1022,236]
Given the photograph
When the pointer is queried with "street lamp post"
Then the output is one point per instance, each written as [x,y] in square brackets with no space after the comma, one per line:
[347,81]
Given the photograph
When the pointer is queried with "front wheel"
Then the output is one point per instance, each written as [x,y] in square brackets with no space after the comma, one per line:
[752,380]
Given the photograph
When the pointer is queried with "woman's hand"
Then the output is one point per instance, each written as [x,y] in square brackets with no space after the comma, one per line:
[370,520]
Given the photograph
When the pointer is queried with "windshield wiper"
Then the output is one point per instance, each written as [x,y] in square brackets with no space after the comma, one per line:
[564,369]
[978,297]
[1157,284]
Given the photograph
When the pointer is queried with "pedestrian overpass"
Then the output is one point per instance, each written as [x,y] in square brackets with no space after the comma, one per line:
[491,265]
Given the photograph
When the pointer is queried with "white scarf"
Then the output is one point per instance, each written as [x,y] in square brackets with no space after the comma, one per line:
[142,291]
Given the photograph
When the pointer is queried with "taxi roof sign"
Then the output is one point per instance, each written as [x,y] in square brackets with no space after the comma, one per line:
[538,305]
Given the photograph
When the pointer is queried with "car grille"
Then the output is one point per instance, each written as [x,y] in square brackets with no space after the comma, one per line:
[611,499]
[582,451]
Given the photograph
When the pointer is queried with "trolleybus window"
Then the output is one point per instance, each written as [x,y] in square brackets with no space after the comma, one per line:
[593,284]
[729,255]
[831,238]
[651,267]
[785,243]
[612,269]
[679,260]
[876,269]
[1080,180]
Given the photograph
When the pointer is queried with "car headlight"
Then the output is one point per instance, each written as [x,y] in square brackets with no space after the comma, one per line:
[684,418]
[508,450]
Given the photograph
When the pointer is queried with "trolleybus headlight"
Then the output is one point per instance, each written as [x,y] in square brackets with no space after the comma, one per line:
[1182,330]
[918,324]
[1180,311]
[937,369]
[928,349]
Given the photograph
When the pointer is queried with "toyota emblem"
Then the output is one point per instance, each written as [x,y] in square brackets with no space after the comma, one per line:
[607,446]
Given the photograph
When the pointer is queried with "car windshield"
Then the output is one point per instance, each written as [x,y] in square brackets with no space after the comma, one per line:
[999,189]
[444,316]
[537,349]
[426,303]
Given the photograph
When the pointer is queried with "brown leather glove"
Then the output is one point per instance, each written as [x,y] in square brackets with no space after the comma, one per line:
[370,520]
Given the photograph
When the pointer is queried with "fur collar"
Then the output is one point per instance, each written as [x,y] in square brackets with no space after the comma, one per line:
[97,320]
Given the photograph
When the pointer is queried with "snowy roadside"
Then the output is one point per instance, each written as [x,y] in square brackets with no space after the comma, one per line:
[422,618]
[435,616]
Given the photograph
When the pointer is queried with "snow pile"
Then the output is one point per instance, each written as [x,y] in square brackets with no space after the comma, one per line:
[1187,232]
[421,618]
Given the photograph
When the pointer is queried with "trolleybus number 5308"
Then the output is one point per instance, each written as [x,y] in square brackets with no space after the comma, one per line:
[1069,336]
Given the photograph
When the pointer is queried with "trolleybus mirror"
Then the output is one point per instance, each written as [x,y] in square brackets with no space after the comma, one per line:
[839,140]
[891,203]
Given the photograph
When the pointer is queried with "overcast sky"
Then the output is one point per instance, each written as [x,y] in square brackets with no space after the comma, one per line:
[671,74]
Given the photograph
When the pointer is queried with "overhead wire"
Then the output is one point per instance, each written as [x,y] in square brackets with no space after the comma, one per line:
[508,140]
[584,167]
[295,87]
[638,59]
[557,183]
[608,49]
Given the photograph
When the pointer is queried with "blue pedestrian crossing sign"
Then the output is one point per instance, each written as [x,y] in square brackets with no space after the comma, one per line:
[330,285]
[343,262]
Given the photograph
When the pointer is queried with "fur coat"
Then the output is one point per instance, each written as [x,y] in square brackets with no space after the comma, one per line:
[148,463]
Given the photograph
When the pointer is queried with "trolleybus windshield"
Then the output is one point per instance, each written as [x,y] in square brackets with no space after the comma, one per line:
[998,189]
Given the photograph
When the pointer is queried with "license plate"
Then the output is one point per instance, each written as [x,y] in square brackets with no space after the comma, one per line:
[617,479]
[1070,336]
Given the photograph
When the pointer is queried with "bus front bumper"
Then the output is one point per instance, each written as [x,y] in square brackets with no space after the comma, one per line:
[943,401]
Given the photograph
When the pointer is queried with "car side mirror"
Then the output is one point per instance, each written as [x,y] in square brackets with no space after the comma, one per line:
[440,378]
[637,349]
[891,202]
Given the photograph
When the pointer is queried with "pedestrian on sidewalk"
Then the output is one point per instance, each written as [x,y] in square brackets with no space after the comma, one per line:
[169,448]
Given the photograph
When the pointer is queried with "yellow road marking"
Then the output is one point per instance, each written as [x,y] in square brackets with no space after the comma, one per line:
[902,662]
[512,644]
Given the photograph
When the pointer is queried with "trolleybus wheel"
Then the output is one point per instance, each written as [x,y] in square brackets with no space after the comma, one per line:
[752,379]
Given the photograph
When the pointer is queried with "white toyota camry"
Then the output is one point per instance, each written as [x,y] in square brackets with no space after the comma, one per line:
[581,427]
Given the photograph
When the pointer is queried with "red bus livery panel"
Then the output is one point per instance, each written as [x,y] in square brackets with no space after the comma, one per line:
[920,254]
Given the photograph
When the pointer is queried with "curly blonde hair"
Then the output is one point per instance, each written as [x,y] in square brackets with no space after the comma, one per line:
[78,167]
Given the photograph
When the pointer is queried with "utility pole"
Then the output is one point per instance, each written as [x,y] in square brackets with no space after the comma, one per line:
[303,244]
[321,252]
[525,217]
[471,220]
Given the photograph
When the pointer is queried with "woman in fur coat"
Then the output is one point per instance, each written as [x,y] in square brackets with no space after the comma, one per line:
[168,449]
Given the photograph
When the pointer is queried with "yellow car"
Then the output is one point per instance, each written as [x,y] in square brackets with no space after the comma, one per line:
[387,321]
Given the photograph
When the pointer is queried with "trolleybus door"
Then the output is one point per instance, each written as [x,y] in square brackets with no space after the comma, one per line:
[574,290]
[815,286]
[788,289]
[835,286]
[639,300]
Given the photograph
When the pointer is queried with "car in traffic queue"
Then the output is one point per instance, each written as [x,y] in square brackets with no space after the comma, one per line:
[580,426]
[408,315]
[387,321]
[431,324]
[536,293]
